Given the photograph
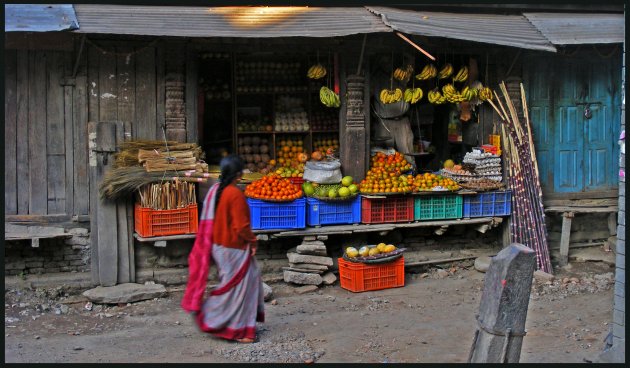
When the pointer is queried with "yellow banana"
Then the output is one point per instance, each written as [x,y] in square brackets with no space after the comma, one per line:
[408,95]
[446,71]
[316,71]
[416,95]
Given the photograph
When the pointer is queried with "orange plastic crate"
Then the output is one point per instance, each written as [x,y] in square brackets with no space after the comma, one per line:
[150,222]
[358,277]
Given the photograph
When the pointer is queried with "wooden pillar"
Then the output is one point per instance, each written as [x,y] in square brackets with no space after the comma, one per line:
[503,307]
[354,140]
[112,250]
[565,237]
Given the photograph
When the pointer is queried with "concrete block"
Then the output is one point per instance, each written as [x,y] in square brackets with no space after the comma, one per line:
[619,302]
[31,264]
[19,265]
[302,278]
[79,262]
[620,289]
[67,268]
[619,317]
[51,264]
[72,257]
[620,261]
[78,240]
[619,331]
[52,269]
[620,274]
[306,289]
[79,231]
[329,278]
[36,270]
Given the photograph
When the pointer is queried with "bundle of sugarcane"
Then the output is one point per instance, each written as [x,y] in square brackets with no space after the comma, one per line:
[167,195]
[527,224]
[122,182]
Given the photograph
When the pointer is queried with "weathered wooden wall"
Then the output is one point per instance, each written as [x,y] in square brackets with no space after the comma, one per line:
[47,110]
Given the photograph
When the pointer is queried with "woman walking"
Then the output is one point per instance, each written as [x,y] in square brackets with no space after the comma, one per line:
[225,236]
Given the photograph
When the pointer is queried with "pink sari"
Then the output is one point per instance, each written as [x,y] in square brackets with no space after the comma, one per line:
[236,304]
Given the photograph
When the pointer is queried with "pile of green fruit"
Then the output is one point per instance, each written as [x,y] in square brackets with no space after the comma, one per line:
[346,188]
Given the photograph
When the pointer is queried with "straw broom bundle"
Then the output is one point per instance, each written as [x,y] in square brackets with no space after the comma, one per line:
[528,221]
[124,181]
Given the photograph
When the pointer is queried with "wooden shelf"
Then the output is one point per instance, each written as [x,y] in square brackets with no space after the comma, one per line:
[265,132]
[160,241]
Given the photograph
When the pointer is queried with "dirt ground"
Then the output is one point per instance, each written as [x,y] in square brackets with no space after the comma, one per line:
[430,319]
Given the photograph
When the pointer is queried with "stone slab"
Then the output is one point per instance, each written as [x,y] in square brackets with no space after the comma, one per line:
[302,278]
[311,249]
[309,266]
[329,278]
[304,270]
[482,263]
[267,292]
[303,258]
[306,289]
[124,293]
[543,276]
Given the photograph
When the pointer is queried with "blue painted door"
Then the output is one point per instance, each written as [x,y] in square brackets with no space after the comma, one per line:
[577,152]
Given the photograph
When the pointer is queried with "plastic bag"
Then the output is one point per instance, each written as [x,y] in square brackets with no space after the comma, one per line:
[323,172]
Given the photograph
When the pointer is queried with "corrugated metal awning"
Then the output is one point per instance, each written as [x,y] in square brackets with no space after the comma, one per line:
[573,28]
[507,30]
[39,17]
[241,21]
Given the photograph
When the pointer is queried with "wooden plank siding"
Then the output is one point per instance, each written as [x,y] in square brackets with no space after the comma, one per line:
[47,110]
[55,135]
[10,133]
[38,198]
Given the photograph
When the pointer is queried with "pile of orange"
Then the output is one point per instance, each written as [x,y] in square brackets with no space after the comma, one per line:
[428,181]
[385,175]
[273,187]
[288,151]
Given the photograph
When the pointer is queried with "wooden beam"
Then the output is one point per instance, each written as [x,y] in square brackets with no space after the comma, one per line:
[567,217]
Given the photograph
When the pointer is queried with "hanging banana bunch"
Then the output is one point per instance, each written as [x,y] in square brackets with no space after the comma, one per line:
[446,71]
[435,97]
[388,96]
[451,94]
[316,71]
[429,71]
[403,74]
[462,75]
[468,93]
[412,95]
[485,94]
[328,97]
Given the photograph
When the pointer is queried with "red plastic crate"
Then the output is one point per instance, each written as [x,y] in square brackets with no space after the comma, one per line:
[358,277]
[390,209]
[150,222]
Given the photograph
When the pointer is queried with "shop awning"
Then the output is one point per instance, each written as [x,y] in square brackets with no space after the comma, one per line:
[507,30]
[573,28]
[241,21]
[39,17]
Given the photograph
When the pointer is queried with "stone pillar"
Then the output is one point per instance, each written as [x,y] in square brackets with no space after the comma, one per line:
[353,161]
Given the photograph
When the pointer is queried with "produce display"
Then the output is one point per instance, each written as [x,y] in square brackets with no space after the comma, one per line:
[347,188]
[265,76]
[433,182]
[250,123]
[254,150]
[386,174]
[412,95]
[326,143]
[367,251]
[482,184]
[291,115]
[327,120]
[328,97]
[273,187]
[479,170]
[217,89]
[316,71]
[291,156]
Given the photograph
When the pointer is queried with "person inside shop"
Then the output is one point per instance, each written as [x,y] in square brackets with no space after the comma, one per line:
[392,119]
[225,237]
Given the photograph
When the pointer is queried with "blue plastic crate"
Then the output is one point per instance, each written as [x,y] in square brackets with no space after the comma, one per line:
[488,204]
[320,212]
[437,207]
[277,215]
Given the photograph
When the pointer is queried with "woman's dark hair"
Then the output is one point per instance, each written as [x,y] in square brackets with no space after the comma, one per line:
[231,167]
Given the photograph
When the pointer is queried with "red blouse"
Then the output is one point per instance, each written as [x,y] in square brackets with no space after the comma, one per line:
[232,227]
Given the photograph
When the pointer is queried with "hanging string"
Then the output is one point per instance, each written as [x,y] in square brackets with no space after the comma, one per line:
[128,54]
[391,75]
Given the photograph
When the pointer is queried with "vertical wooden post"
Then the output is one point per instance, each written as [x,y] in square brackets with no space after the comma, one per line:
[565,237]
[354,140]
[503,307]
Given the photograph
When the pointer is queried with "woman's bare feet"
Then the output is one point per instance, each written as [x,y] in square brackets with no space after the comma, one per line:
[245,340]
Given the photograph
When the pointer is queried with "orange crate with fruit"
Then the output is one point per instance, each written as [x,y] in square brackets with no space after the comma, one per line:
[358,277]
